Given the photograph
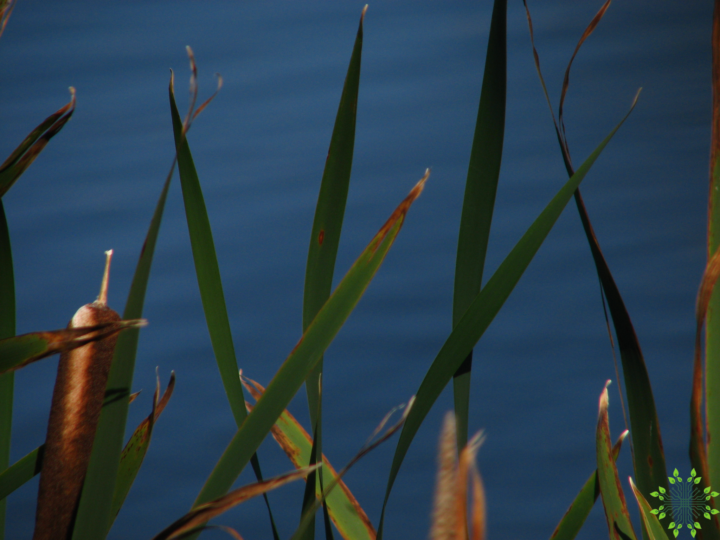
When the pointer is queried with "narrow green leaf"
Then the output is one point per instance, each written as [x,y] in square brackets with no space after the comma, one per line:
[207,271]
[648,456]
[330,210]
[34,143]
[304,356]
[652,525]
[483,310]
[479,198]
[327,225]
[134,452]
[616,512]
[94,516]
[7,329]
[575,516]
[21,472]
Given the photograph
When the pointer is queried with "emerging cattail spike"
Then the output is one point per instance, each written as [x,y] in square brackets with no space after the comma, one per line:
[102,297]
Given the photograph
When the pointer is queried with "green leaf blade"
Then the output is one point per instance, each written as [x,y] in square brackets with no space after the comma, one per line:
[207,269]
[483,310]
[7,329]
[307,352]
[330,209]
[479,198]
[21,471]
[327,226]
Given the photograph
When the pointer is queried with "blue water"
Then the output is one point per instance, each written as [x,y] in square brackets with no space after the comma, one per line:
[260,150]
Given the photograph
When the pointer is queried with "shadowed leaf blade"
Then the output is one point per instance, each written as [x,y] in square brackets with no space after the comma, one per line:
[21,472]
[479,197]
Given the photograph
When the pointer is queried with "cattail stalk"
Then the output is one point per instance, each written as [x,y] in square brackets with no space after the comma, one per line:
[76,403]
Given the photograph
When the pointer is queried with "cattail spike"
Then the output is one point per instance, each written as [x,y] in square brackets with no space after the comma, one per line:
[102,298]
[444,519]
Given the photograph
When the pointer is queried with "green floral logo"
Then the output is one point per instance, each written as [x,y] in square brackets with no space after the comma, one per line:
[685,503]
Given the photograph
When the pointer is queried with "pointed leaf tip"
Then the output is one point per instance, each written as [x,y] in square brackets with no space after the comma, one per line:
[401,210]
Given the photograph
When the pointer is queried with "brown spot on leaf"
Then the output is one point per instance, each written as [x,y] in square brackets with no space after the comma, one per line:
[650,461]
[321,237]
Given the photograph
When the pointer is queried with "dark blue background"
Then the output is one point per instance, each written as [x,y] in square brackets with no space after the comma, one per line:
[260,150]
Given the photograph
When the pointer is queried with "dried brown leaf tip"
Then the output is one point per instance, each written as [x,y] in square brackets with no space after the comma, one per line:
[401,210]
[451,491]
[195,520]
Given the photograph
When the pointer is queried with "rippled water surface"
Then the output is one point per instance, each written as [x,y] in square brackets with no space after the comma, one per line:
[260,150]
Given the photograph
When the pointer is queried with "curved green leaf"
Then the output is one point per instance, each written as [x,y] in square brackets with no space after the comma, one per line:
[34,143]
[207,271]
[483,310]
[648,455]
